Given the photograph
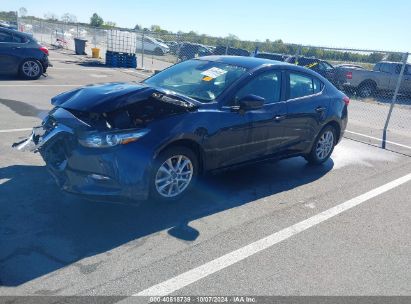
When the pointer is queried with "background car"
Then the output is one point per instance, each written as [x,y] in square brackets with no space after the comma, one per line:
[322,67]
[224,50]
[272,56]
[151,45]
[382,78]
[173,45]
[192,50]
[21,54]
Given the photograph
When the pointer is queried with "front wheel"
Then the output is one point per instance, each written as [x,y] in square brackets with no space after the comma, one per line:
[174,172]
[31,69]
[323,146]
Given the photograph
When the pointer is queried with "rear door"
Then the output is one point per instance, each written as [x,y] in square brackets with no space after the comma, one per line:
[307,107]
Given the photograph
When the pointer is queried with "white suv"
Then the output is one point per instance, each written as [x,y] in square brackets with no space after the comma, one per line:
[151,45]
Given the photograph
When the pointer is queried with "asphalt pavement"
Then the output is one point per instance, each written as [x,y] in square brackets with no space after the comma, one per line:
[277,228]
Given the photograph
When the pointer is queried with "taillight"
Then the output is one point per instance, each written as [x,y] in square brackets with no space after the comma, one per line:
[44,50]
[346,100]
[348,75]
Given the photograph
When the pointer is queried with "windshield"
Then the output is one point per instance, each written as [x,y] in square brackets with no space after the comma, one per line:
[198,79]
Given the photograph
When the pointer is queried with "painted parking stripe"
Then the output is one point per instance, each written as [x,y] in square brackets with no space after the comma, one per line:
[42,85]
[171,285]
[15,130]
[379,139]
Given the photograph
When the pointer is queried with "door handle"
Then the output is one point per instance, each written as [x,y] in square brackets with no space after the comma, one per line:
[320,109]
[279,118]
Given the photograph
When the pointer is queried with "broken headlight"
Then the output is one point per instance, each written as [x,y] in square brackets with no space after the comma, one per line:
[110,139]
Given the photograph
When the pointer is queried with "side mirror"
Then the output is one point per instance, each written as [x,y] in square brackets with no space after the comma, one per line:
[251,102]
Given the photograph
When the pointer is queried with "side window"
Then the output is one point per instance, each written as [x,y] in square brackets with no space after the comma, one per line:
[301,86]
[6,37]
[377,67]
[407,70]
[266,85]
[385,68]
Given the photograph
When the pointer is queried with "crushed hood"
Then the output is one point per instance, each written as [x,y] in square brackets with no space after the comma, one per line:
[108,97]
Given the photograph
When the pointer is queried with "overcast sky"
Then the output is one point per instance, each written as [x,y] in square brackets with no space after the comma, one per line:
[382,25]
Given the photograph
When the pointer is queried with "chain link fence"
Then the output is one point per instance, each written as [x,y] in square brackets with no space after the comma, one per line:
[377,82]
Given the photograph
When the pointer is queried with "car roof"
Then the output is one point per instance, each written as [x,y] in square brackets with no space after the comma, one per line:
[11,31]
[253,63]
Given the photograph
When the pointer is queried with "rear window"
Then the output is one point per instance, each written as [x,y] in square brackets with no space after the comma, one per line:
[19,39]
[303,85]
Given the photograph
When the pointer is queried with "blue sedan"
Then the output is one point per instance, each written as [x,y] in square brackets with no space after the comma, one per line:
[153,139]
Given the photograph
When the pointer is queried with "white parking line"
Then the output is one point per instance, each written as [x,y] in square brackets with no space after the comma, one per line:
[15,130]
[198,273]
[42,85]
[379,139]
[82,69]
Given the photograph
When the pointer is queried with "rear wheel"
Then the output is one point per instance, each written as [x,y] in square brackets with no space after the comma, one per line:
[158,51]
[366,90]
[175,170]
[31,69]
[323,146]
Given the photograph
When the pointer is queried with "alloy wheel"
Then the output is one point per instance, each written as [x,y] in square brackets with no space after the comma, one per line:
[31,68]
[325,145]
[174,176]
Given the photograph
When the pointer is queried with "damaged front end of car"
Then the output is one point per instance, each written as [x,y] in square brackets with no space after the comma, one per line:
[94,141]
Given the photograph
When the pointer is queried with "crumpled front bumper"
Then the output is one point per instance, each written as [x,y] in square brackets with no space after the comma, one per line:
[113,174]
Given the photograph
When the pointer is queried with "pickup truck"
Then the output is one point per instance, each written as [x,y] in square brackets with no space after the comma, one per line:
[366,83]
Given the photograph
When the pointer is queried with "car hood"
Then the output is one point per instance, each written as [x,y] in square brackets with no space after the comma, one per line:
[108,97]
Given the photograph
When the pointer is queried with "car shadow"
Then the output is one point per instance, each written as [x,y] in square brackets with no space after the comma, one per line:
[43,230]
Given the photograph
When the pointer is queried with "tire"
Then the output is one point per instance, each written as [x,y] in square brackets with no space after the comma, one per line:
[30,69]
[158,51]
[323,146]
[164,183]
[366,90]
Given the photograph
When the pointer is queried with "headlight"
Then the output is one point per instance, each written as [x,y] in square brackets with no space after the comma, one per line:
[110,139]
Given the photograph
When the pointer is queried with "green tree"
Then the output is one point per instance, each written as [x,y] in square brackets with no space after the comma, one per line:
[50,16]
[96,20]
[68,18]
[137,27]
[155,28]
[109,24]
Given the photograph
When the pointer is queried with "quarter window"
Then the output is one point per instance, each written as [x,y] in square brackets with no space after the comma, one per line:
[301,85]
[19,39]
[266,85]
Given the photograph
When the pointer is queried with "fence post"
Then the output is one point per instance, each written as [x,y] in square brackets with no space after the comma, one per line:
[227,46]
[142,50]
[394,98]
[299,51]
